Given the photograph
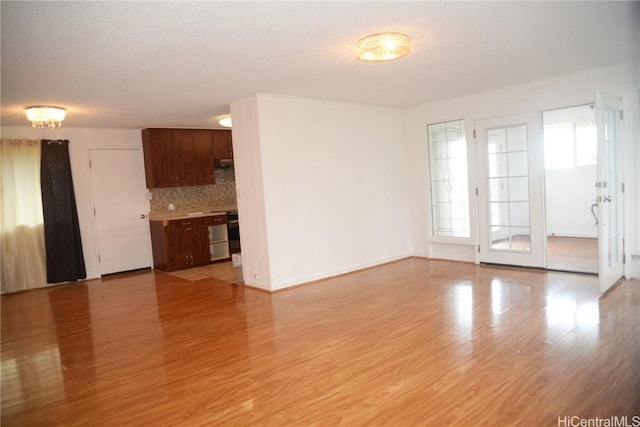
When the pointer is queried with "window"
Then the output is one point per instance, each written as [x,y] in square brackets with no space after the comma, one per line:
[586,144]
[559,146]
[570,138]
[449,184]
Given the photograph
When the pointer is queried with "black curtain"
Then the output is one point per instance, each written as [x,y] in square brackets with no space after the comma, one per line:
[63,246]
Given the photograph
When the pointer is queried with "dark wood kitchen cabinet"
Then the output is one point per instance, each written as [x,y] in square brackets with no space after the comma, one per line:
[202,165]
[185,243]
[157,145]
[178,157]
[178,244]
[222,144]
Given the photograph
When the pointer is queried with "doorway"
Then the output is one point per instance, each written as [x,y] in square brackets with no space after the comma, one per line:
[571,204]
[510,167]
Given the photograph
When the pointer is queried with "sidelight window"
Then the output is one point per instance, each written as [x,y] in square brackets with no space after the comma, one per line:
[449,183]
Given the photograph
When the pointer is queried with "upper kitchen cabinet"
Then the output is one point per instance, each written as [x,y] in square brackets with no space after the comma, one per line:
[157,145]
[222,145]
[178,157]
[202,163]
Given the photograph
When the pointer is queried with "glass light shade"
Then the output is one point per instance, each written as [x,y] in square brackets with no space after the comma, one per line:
[46,116]
[225,121]
[383,46]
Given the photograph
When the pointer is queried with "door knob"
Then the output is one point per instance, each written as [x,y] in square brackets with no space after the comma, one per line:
[143,216]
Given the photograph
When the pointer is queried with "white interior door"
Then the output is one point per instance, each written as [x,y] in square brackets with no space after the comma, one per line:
[510,183]
[120,209]
[609,186]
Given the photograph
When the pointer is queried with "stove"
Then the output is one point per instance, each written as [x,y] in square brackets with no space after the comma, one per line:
[233,227]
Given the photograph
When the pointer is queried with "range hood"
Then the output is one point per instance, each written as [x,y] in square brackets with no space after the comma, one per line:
[223,163]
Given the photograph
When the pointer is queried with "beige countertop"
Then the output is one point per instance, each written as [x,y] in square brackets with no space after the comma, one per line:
[191,213]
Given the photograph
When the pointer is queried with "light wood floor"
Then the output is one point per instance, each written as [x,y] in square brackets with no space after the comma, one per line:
[577,254]
[415,342]
[220,270]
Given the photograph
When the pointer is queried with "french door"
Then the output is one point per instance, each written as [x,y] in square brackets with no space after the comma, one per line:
[610,190]
[510,190]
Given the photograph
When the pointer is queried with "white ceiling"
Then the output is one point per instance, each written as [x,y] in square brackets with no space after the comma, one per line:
[141,64]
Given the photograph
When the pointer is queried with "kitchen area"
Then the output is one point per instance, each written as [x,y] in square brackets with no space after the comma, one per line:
[193,218]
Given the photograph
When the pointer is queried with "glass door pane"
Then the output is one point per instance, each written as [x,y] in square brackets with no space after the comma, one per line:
[508,185]
[510,171]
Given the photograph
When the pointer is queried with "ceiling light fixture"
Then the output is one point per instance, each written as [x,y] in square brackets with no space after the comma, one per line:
[383,46]
[225,121]
[42,116]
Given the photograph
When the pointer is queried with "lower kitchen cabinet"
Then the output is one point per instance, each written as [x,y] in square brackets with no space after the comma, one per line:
[184,243]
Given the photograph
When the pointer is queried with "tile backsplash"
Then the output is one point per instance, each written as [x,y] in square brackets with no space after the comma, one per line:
[223,192]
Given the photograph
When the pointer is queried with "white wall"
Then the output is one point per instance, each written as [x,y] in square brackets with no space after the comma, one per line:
[81,140]
[250,193]
[570,193]
[334,187]
[632,195]
[569,90]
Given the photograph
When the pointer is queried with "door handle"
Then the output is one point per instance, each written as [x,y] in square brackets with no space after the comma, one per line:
[143,216]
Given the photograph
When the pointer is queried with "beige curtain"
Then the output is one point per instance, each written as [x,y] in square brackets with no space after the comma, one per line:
[22,254]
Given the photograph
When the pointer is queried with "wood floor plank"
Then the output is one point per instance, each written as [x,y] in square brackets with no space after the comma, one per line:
[416,342]
[577,254]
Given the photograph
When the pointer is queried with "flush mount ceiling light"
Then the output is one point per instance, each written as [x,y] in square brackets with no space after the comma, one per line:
[225,121]
[383,46]
[42,116]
